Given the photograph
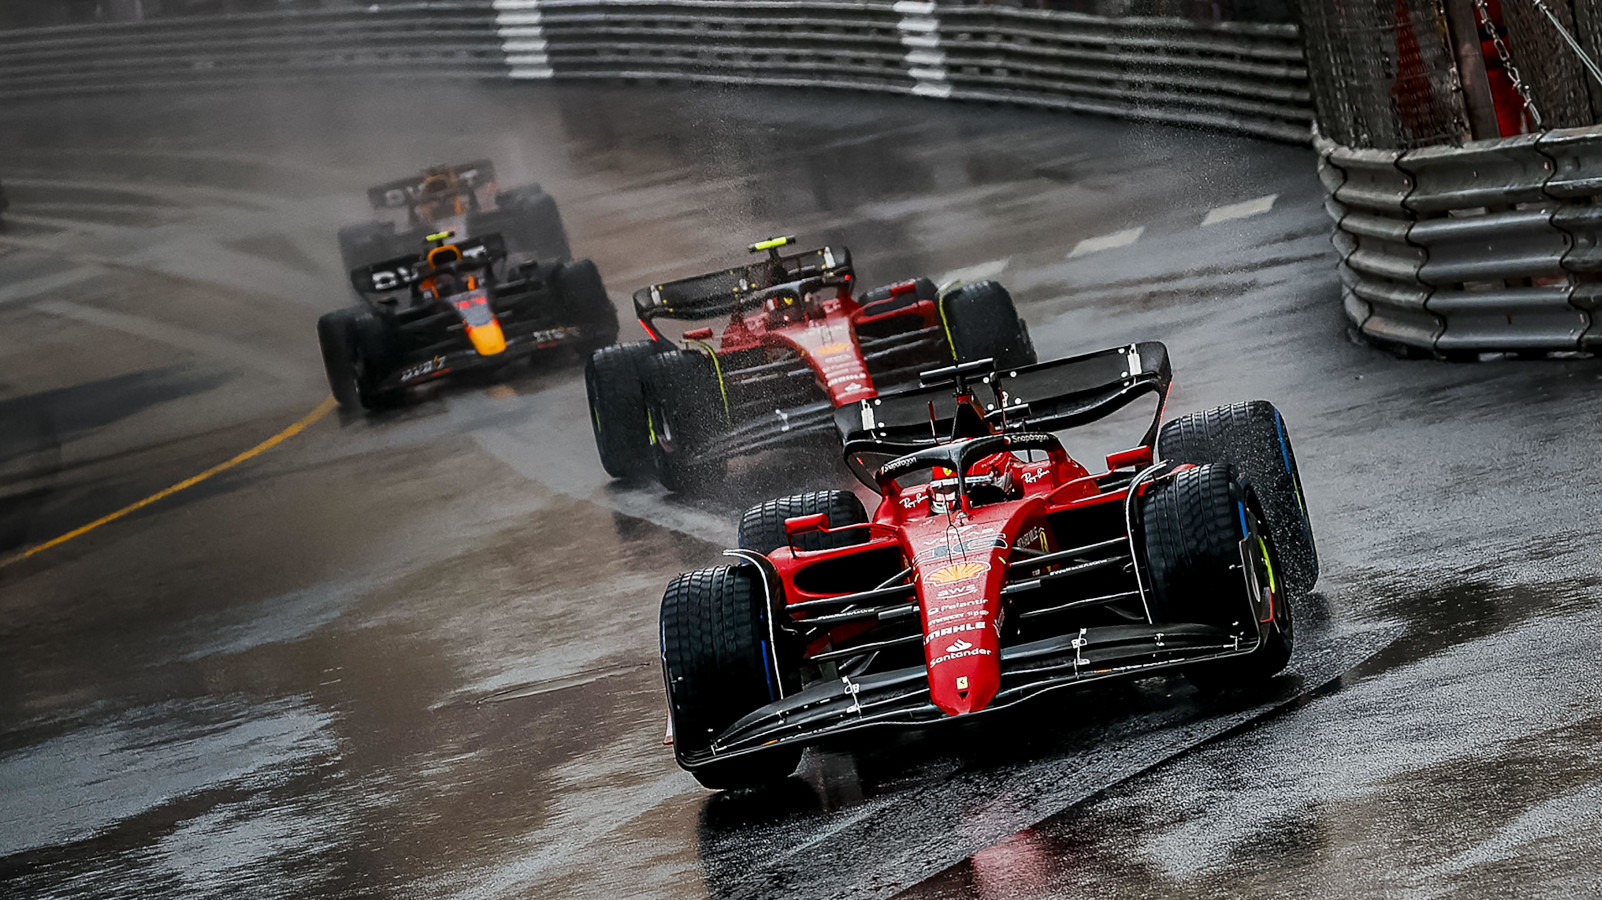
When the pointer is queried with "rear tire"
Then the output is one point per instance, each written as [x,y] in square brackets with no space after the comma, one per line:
[359,350]
[367,243]
[1193,528]
[686,415]
[762,526]
[531,223]
[614,381]
[1253,438]
[581,292]
[718,668]
[982,322]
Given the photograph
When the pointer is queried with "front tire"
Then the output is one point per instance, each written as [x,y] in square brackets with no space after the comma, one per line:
[982,322]
[359,350]
[718,665]
[1194,525]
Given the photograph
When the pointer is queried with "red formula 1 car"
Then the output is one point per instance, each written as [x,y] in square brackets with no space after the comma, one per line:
[995,568]
[795,344]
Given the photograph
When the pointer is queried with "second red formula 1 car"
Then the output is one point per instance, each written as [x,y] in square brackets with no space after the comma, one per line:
[796,342]
[996,567]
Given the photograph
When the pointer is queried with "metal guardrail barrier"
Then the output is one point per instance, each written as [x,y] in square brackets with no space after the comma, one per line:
[1494,246]
[1246,78]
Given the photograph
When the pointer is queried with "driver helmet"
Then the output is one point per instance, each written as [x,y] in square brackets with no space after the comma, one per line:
[785,308]
[943,492]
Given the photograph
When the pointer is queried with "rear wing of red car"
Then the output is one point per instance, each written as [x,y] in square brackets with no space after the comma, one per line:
[1048,396]
[405,192]
[718,294]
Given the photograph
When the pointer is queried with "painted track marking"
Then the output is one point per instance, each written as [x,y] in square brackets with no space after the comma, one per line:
[323,409]
[1107,241]
[1244,209]
[976,272]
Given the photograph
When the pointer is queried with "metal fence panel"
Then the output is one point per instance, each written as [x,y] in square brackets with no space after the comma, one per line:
[1247,78]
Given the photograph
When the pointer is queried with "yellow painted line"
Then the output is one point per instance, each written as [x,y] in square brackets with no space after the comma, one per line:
[322,409]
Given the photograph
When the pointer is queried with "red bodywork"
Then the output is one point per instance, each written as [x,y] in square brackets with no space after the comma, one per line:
[825,336]
[961,559]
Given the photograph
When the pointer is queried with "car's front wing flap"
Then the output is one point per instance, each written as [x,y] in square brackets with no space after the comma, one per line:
[901,697]
[435,362]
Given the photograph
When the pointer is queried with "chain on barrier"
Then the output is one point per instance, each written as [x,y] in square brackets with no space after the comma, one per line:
[1487,23]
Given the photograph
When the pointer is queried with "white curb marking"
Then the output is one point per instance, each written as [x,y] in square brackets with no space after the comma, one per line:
[1107,241]
[1244,209]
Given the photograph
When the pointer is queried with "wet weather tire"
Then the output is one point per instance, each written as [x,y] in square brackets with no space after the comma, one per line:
[359,350]
[1194,525]
[685,410]
[1253,438]
[531,223]
[613,379]
[583,295]
[762,526]
[718,668]
[366,243]
[982,322]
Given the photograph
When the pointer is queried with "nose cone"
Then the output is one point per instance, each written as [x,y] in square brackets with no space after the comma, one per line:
[965,684]
[488,340]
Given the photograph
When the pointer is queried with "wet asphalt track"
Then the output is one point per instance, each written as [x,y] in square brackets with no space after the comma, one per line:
[414,655]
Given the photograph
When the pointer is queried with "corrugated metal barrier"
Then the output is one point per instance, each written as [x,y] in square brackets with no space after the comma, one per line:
[1246,78]
[1494,246]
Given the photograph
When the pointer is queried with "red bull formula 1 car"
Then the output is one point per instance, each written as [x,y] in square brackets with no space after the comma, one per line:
[460,305]
[463,199]
[794,343]
[995,569]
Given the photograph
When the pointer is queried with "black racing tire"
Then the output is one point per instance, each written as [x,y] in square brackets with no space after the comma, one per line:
[718,666]
[762,526]
[359,349]
[1253,438]
[924,290]
[583,295]
[366,243]
[1193,526]
[614,380]
[686,415]
[531,223]
[982,322]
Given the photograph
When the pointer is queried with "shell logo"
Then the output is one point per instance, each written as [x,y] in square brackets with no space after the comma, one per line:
[957,572]
[837,347]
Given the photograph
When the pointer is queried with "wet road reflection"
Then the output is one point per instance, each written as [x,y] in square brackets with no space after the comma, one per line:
[416,654]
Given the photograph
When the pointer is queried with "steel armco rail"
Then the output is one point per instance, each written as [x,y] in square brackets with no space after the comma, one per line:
[1232,76]
[1492,246]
